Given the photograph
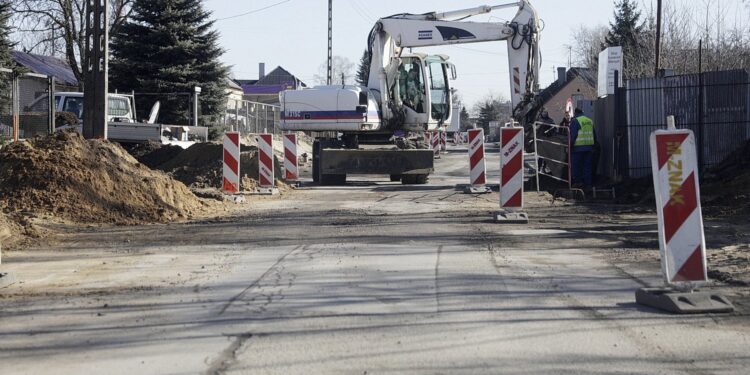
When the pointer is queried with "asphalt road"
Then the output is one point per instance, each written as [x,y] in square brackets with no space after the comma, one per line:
[373,277]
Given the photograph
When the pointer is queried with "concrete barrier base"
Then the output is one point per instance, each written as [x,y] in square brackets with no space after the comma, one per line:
[511,217]
[670,300]
[477,190]
[268,191]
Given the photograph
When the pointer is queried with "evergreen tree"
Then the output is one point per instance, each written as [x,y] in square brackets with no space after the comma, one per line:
[633,35]
[488,111]
[465,119]
[169,47]
[6,59]
[6,45]
[363,70]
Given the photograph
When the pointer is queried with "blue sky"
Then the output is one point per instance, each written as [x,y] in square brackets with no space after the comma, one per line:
[293,34]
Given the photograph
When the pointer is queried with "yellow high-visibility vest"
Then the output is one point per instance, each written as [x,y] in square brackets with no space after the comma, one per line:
[586,132]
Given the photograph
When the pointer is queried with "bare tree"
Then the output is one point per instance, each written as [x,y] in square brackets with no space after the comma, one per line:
[586,44]
[58,27]
[343,69]
[719,24]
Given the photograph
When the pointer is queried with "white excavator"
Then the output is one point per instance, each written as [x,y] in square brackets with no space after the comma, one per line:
[379,129]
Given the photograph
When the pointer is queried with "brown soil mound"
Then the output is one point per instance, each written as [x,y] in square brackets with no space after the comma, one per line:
[88,181]
[153,154]
[725,187]
[201,166]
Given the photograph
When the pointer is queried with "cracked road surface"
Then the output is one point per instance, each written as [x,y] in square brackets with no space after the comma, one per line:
[372,277]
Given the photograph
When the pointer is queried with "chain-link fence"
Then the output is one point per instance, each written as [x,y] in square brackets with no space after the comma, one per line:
[26,106]
[251,117]
[35,109]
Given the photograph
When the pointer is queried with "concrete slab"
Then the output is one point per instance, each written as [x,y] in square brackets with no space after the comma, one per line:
[477,190]
[676,302]
[267,191]
[6,278]
[511,218]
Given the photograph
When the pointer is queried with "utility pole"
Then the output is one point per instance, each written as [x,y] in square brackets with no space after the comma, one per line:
[658,37]
[96,70]
[329,78]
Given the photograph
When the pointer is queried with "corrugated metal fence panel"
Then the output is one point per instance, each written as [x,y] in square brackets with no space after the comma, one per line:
[645,113]
[725,110]
[725,114]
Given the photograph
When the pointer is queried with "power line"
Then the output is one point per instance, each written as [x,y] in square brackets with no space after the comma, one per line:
[252,11]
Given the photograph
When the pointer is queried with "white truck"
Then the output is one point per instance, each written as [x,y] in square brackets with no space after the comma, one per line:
[122,125]
[406,94]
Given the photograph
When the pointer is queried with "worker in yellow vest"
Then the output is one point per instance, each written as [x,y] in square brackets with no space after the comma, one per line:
[583,139]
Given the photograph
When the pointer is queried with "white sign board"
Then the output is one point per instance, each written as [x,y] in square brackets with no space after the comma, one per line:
[610,61]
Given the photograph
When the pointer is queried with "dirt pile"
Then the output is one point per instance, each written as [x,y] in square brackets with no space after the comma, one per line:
[88,181]
[153,154]
[201,166]
[726,186]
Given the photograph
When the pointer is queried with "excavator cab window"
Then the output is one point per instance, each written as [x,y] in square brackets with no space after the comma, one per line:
[439,90]
[411,85]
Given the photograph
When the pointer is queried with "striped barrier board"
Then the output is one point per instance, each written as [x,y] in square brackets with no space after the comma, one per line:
[444,141]
[681,238]
[428,139]
[477,167]
[265,161]
[511,168]
[231,162]
[291,165]
[435,139]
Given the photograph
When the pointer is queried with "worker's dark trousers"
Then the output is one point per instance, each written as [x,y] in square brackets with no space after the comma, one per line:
[582,165]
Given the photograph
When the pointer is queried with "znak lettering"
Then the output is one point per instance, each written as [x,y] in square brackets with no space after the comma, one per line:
[675,169]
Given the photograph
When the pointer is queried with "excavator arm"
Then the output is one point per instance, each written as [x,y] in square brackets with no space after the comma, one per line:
[394,33]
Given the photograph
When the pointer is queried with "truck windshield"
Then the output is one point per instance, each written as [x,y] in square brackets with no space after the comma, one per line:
[118,107]
[439,93]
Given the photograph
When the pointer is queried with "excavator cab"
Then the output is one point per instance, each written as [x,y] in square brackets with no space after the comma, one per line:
[422,87]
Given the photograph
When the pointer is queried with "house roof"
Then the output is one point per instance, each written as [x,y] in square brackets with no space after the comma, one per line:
[47,65]
[587,75]
[233,85]
[274,82]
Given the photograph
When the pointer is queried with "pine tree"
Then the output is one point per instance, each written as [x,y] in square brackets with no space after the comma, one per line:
[363,70]
[633,35]
[6,45]
[6,58]
[169,47]
[464,118]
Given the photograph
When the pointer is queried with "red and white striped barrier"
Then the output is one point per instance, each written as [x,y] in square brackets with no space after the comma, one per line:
[444,141]
[291,166]
[428,139]
[511,168]
[435,139]
[681,239]
[477,167]
[265,161]
[231,161]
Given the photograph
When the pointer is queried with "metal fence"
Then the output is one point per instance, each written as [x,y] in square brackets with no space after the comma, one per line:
[714,105]
[552,152]
[251,117]
[26,106]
